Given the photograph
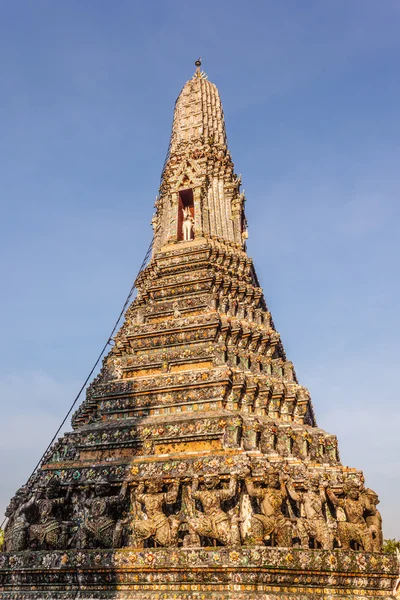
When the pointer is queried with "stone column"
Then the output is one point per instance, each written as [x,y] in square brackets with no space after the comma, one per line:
[173,220]
[198,212]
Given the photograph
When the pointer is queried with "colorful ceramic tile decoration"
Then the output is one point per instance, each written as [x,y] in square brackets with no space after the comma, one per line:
[195,468]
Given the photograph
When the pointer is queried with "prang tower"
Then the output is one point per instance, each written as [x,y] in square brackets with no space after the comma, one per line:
[195,468]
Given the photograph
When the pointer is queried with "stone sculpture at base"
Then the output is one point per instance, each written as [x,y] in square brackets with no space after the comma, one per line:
[50,531]
[355,528]
[215,523]
[372,515]
[100,528]
[16,535]
[155,524]
[271,522]
[312,525]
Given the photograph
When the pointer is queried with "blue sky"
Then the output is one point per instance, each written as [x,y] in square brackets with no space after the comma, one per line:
[311,95]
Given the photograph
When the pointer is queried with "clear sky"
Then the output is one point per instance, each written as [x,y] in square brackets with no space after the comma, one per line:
[311,95]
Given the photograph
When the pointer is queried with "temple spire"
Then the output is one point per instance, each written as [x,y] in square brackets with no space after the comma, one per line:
[200,194]
[195,460]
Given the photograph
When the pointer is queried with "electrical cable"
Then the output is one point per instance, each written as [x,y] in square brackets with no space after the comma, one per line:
[127,301]
[130,294]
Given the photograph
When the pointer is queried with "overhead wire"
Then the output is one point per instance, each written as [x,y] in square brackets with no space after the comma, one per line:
[109,339]
[108,342]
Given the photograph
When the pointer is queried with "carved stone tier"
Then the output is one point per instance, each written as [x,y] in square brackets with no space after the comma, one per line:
[199,324]
[196,574]
[195,468]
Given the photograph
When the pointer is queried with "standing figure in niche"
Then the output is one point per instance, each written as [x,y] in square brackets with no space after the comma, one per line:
[271,521]
[163,529]
[312,522]
[187,224]
[214,523]
[355,529]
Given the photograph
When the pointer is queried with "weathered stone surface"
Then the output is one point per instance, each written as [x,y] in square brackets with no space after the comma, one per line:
[220,573]
[195,468]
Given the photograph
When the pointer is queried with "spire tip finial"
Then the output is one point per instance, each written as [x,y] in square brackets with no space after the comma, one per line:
[198,65]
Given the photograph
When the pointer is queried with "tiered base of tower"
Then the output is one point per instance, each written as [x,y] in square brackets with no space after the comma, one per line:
[256,573]
[195,470]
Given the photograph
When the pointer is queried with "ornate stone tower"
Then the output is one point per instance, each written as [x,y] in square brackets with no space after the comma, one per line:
[195,468]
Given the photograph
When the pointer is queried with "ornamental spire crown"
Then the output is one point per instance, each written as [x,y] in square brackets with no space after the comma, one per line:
[200,194]
[198,114]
